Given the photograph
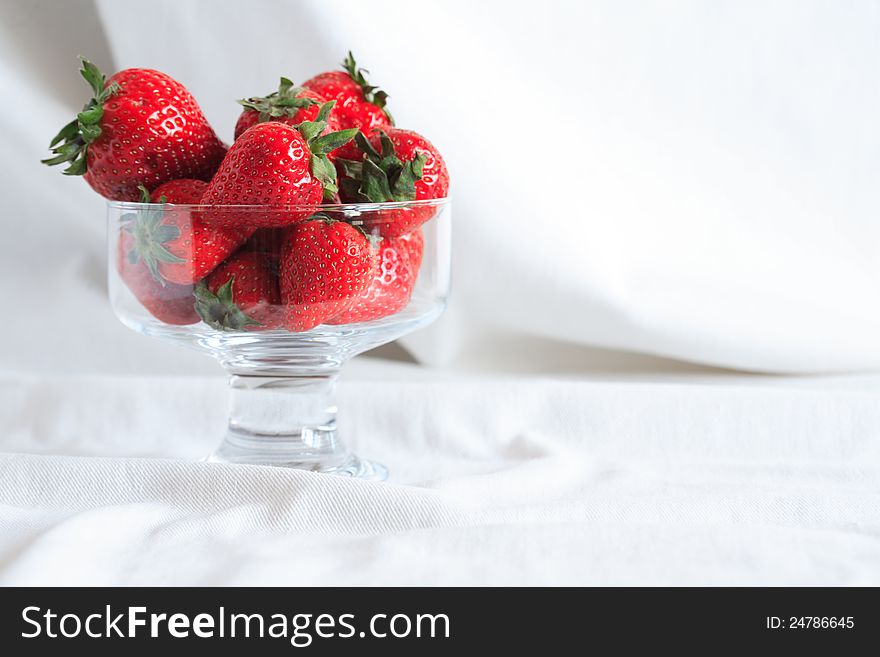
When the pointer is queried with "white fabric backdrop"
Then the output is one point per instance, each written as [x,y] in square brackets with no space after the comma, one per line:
[689,180]
[699,184]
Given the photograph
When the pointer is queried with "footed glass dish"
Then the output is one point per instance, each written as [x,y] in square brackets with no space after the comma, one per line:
[282,298]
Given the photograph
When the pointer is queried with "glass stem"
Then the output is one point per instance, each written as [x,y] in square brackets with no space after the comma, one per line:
[283,420]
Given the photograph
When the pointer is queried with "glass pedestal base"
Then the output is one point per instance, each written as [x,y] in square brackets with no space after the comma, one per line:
[289,420]
[284,452]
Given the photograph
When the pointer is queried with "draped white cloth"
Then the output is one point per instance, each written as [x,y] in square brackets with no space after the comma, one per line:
[511,481]
[693,181]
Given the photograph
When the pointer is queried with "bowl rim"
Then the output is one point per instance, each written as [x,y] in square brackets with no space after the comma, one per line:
[322,207]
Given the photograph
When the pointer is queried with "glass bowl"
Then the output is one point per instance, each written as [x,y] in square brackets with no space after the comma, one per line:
[282,298]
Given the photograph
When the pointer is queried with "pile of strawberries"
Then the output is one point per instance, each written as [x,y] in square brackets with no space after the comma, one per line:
[286,258]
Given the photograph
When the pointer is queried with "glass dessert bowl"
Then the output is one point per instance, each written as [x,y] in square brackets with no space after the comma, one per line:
[282,298]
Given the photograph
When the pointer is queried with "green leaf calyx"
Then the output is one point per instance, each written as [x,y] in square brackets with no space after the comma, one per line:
[320,145]
[150,235]
[71,143]
[381,176]
[219,310]
[372,93]
[285,102]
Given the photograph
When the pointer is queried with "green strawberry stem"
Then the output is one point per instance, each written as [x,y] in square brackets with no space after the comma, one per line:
[219,310]
[284,102]
[72,142]
[320,145]
[381,177]
[146,197]
[372,93]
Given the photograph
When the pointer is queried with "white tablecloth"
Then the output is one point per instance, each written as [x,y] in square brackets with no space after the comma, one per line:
[622,479]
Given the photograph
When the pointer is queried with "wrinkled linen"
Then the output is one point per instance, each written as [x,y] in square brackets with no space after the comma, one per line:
[512,481]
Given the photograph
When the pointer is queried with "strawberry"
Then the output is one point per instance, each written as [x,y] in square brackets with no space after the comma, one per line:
[184,191]
[291,105]
[358,103]
[241,294]
[391,288]
[325,266]
[141,127]
[169,303]
[277,165]
[397,165]
[174,243]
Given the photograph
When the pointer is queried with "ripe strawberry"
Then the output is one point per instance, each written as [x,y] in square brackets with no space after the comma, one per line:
[291,105]
[174,243]
[241,294]
[169,303]
[184,191]
[391,288]
[140,128]
[325,266]
[397,165]
[276,165]
[358,103]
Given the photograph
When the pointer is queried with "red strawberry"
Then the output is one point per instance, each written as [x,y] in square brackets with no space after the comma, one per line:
[358,103]
[184,191]
[140,128]
[290,105]
[398,165]
[392,286]
[241,294]
[276,165]
[169,303]
[174,243]
[325,266]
